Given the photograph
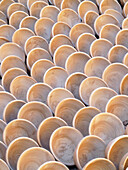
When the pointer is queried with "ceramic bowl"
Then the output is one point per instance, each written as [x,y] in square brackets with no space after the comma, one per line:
[121,38]
[11,110]
[34,112]
[3,16]
[4,5]
[124,162]
[65,137]
[70,4]
[112,76]
[30,2]
[38,92]
[3,165]
[46,128]
[88,85]
[3,40]
[123,85]
[125,23]
[2,127]
[3,148]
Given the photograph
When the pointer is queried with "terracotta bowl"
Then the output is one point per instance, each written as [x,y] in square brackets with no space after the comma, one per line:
[3,148]
[57,95]
[73,82]
[110,78]
[125,59]
[2,127]
[83,118]
[3,40]
[2,22]
[7,31]
[36,7]
[125,9]
[60,28]
[43,28]
[76,62]
[117,53]
[21,35]
[16,148]
[9,75]
[46,128]
[11,48]
[28,22]
[86,6]
[39,155]
[35,42]
[67,138]
[67,109]
[100,47]
[12,61]
[79,29]
[96,66]
[34,112]
[3,165]
[70,4]
[69,16]
[103,20]
[55,77]
[125,23]
[11,110]
[50,12]
[24,2]
[53,165]
[3,16]
[101,163]
[123,85]
[116,149]
[121,38]
[88,85]
[5,98]
[20,85]
[57,3]
[57,41]
[19,128]
[84,42]
[124,162]
[30,2]
[4,5]
[38,92]
[91,147]
[37,54]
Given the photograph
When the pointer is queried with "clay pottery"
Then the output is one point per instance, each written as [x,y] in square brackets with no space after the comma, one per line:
[3,148]
[3,16]
[109,32]
[124,162]
[39,68]
[37,54]
[4,5]
[84,42]
[83,118]
[3,165]
[103,20]
[2,127]
[57,41]
[88,85]
[19,128]
[7,31]
[123,85]
[40,155]
[125,59]
[16,7]
[96,66]
[125,9]
[117,53]
[5,98]
[73,82]
[55,77]
[125,23]
[3,40]
[36,7]
[112,76]
[70,4]
[2,22]
[9,75]
[79,29]
[35,42]
[69,16]
[16,18]
[12,61]
[121,38]
[93,145]
[21,35]
[101,163]
[116,149]
[20,85]
[57,3]
[100,97]
[57,95]
[76,62]
[100,47]
[28,22]
[60,28]
[16,148]
[61,54]
[86,6]
[34,112]
[118,106]
[30,2]
[38,92]
[11,110]
[11,48]
[46,128]
[53,165]
[50,12]
[68,137]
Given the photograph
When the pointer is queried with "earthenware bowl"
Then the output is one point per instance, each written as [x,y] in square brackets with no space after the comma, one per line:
[70,4]
[3,148]
[30,2]
[3,165]
[121,38]
[4,5]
